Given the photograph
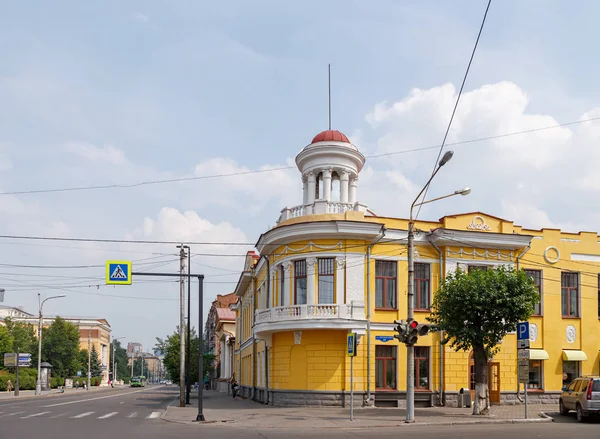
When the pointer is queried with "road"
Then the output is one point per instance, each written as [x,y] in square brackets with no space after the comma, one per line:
[135,413]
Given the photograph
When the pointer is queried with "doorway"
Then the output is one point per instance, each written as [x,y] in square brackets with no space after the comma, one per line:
[493,380]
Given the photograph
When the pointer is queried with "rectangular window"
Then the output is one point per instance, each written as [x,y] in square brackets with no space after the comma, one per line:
[385,367]
[326,272]
[536,275]
[385,284]
[300,282]
[570,371]
[477,267]
[535,374]
[570,294]
[422,286]
[421,368]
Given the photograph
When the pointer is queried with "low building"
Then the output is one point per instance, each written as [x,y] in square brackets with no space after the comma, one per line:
[331,266]
[92,332]
[219,339]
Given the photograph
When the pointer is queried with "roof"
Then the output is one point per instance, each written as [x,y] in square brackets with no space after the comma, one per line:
[224,301]
[331,136]
[226,314]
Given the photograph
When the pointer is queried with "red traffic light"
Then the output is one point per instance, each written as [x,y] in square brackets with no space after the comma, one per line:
[414,324]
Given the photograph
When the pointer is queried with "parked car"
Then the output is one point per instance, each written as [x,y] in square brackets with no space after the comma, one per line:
[583,396]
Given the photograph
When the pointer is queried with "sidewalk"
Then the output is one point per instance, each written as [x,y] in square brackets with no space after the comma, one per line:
[222,408]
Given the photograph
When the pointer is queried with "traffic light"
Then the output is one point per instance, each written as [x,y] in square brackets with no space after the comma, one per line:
[401,330]
[413,333]
[423,329]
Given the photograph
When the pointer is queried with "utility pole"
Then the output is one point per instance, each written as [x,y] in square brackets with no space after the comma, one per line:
[89,373]
[181,329]
[188,383]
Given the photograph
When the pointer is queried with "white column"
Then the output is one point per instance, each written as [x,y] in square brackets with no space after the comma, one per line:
[339,280]
[227,359]
[352,192]
[222,359]
[344,180]
[304,190]
[311,185]
[327,184]
[285,299]
[310,281]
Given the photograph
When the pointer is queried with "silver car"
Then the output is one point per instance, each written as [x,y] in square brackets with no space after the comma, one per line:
[583,396]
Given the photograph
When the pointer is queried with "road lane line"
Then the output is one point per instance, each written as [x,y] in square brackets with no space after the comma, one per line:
[11,414]
[132,415]
[153,415]
[108,415]
[82,415]
[34,415]
[93,399]
[59,415]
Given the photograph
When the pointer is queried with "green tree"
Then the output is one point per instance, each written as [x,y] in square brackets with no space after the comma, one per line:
[23,336]
[137,367]
[60,347]
[120,354]
[95,369]
[6,343]
[476,310]
[170,349]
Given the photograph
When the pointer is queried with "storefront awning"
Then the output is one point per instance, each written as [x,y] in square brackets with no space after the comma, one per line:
[538,354]
[572,355]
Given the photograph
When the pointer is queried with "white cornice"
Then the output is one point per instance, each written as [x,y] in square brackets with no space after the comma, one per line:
[458,238]
[341,229]
[294,325]
[243,283]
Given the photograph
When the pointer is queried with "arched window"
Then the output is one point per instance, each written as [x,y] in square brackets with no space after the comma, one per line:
[319,188]
[335,187]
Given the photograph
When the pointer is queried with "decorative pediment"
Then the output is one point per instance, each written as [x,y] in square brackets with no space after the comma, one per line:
[478,222]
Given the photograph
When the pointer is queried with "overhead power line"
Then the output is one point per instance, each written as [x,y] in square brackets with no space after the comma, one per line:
[283,168]
[462,86]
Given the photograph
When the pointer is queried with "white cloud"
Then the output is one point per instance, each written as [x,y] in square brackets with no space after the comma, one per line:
[107,154]
[141,17]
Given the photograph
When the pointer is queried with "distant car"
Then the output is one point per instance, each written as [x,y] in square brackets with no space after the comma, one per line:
[583,396]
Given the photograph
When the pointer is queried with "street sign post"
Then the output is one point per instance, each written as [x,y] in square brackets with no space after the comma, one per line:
[523,355]
[351,343]
[118,272]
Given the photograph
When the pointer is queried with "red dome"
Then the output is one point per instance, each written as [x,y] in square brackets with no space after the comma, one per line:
[331,136]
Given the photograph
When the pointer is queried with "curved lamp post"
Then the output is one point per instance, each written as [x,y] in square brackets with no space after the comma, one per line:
[410,354]
[38,382]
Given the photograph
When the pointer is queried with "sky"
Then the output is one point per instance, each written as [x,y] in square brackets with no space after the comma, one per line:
[116,93]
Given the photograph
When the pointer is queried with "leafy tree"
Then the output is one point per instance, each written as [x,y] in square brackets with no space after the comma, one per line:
[82,361]
[120,360]
[476,310]
[23,336]
[137,367]
[60,347]
[170,349]
[95,369]
[6,343]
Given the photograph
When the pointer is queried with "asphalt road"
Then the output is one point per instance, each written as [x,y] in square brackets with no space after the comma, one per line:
[135,413]
[109,414]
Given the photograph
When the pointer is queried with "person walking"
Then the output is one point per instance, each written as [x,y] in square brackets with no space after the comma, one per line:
[9,386]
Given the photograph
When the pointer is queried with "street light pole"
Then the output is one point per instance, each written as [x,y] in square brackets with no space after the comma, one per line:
[188,380]
[38,382]
[410,349]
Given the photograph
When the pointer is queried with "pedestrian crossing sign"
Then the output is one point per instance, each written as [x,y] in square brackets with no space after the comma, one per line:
[118,272]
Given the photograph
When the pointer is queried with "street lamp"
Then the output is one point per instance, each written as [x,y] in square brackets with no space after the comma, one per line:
[114,350]
[410,349]
[188,383]
[38,382]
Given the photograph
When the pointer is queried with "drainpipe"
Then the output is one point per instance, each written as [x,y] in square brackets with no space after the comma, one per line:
[518,266]
[441,331]
[253,337]
[266,363]
[379,238]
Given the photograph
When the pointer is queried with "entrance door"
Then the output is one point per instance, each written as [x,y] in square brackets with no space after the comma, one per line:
[494,382]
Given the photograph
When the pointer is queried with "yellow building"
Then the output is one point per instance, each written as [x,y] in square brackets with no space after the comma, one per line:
[331,266]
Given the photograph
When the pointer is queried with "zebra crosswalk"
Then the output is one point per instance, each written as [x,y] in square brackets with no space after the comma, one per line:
[100,415]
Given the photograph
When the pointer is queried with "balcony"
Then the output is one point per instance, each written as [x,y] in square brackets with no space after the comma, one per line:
[320,207]
[321,316]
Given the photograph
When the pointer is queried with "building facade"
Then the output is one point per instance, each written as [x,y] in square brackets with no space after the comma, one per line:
[92,332]
[332,266]
[219,339]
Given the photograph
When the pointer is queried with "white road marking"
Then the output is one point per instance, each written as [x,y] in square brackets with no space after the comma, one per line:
[132,415]
[11,414]
[59,415]
[153,415]
[93,399]
[82,415]
[34,415]
[108,415]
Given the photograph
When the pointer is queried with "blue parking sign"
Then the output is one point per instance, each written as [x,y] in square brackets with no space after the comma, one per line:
[523,331]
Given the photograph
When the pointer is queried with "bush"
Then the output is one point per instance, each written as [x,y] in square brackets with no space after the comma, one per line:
[27,378]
